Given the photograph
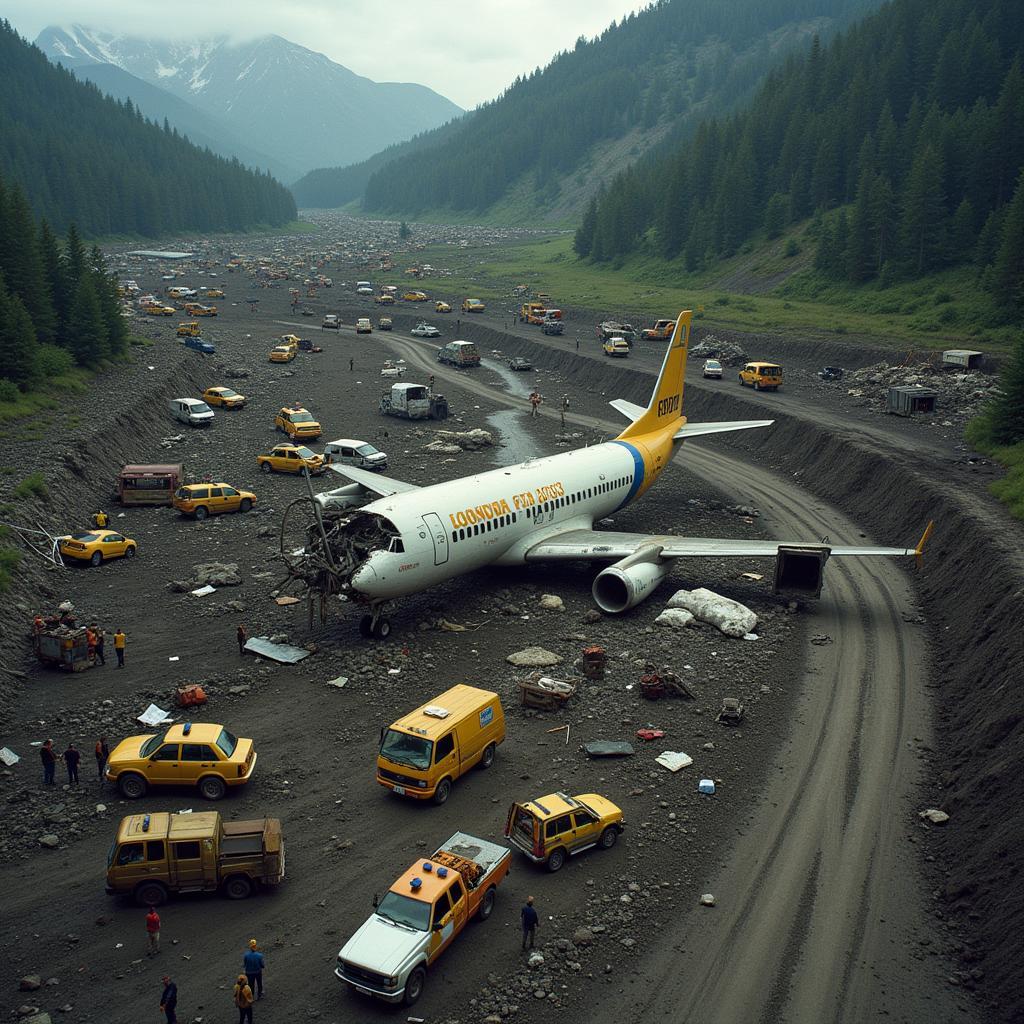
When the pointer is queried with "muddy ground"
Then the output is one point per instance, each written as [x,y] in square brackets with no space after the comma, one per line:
[346,838]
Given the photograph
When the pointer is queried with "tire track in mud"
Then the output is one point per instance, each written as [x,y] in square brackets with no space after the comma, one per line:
[825,872]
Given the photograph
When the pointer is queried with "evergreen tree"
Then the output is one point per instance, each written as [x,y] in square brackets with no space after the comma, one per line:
[583,243]
[861,258]
[86,332]
[1007,412]
[22,265]
[19,359]
[923,221]
[110,304]
[1008,269]
[884,217]
[775,215]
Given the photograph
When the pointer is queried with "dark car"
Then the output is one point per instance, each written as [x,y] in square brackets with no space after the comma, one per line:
[519,363]
[831,373]
[552,327]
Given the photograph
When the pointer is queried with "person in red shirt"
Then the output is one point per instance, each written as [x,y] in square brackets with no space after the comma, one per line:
[153,931]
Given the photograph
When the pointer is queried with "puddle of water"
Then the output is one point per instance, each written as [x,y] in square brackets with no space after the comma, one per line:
[517,382]
[518,445]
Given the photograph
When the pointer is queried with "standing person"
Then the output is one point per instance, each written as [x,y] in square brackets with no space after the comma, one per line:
[254,963]
[101,639]
[351,365]
[243,999]
[430,384]
[169,1000]
[577,343]
[90,642]
[535,400]
[49,759]
[242,637]
[71,758]
[119,642]
[102,754]
[530,921]
[152,932]
[565,405]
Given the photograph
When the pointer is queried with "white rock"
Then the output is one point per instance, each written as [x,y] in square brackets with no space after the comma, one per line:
[533,657]
[707,900]
[934,815]
[536,959]
[674,618]
[731,617]
[552,602]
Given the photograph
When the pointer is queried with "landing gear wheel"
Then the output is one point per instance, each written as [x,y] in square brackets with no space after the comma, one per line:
[381,629]
[366,625]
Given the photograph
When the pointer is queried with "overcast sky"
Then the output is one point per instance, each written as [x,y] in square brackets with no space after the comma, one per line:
[467,50]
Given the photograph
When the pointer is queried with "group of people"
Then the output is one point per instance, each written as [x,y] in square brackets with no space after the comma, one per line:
[247,989]
[71,758]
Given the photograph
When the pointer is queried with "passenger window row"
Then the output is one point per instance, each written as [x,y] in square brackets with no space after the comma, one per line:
[487,526]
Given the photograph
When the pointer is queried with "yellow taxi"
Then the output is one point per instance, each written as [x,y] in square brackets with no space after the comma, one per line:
[291,340]
[160,310]
[761,376]
[187,754]
[384,299]
[472,306]
[415,296]
[215,293]
[207,499]
[226,398]
[282,354]
[191,329]
[96,546]
[291,458]
[442,307]
[552,828]
[198,309]
[297,422]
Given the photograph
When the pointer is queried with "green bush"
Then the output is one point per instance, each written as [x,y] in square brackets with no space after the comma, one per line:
[8,390]
[54,361]
[792,248]
[32,485]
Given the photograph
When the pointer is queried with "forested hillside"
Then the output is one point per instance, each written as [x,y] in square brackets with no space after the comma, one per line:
[905,137]
[598,107]
[87,159]
[58,305]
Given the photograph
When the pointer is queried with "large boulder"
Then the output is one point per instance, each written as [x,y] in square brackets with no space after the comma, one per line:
[467,440]
[216,574]
[731,617]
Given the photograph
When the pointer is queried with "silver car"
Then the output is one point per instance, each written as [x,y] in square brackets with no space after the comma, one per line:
[349,452]
[713,368]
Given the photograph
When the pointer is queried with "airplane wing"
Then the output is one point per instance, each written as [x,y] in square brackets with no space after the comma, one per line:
[628,409]
[696,429]
[382,485]
[586,545]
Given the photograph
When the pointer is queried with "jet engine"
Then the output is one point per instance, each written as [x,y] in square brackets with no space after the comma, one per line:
[625,584]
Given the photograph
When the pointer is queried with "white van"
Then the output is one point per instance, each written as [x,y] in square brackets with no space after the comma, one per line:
[191,411]
[349,452]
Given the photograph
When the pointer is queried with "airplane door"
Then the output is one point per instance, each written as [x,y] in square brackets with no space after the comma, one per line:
[438,535]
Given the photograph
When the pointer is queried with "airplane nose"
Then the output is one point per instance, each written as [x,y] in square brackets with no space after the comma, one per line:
[364,578]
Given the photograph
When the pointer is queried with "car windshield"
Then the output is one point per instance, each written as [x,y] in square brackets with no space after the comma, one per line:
[305,453]
[403,910]
[227,742]
[228,393]
[201,407]
[714,364]
[85,537]
[402,748]
[151,745]
[366,449]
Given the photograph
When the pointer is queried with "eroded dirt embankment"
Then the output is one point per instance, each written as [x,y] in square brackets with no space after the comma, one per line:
[973,600]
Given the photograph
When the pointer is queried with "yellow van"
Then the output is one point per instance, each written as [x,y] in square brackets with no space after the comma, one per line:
[424,752]
[761,376]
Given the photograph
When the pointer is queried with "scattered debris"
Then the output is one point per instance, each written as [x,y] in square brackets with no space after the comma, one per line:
[534,657]
[539,691]
[731,617]
[608,748]
[673,760]
[934,815]
[754,577]
[707,900]
[203,591]
[266,648]
[284,601]
[706,786]
[8,757]
[154,716]
[731,713]
[820,639]
[648,733]
[675,618]
[338,682]
[594,661]
[552,602]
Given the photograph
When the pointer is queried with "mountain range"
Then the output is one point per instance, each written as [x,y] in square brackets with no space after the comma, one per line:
[268,101]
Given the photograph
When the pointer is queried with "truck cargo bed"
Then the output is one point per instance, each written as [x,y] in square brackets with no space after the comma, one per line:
[482,852]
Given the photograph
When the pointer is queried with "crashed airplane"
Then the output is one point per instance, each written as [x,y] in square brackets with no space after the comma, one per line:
[377,539]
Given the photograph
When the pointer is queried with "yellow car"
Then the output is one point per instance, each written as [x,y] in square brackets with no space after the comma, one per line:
[554,827]
[198,309]
[207,499]
[95,546]
[384,299]
[472,306]
[297,422]
[160,310]
[215,293]
[442,307]
[186,754]
[190,330]
[282,354]
[291,458]
[291,340]
[415,296]
[224,397]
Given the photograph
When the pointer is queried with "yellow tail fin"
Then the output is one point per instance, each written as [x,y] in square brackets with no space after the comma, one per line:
[666,406]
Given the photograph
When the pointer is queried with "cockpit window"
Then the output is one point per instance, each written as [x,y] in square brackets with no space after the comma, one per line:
[396,546]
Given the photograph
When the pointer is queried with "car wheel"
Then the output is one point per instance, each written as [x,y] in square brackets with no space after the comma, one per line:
[555,860]
[487,757]
[266,467]
[414,986]
[201,513]
[132,787]
[129,552]
[757,385]
[487,906]
[151,894]
[238,887]
[443,791]
[97,557]
[212,787]
[244,505]
[608,837]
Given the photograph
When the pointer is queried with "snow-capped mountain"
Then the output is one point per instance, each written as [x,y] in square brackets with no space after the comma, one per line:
[272,95]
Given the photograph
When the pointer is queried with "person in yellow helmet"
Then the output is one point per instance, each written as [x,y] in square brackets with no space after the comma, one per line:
[253,964]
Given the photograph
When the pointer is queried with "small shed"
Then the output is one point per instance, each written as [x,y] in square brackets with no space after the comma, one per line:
[965,358]
[912,400]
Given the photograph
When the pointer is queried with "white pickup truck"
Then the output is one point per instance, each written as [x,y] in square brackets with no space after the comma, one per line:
[419,917]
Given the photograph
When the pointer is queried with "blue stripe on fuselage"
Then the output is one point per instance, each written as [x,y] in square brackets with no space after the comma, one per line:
[638,473]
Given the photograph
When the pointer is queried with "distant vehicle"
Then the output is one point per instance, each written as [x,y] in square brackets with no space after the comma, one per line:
[459,353]
[519,363]
[214,293]
[384,299]
[191,329]
[306,345]
[425,331]
[661,331]
[528,309]
[306,312]
[413,402]
[472,306]
[364,288]
[226,398]
[149,484]
[392,369]
[158,309]
[207,348]
[96,546]
[616,347]
[415,296]
[291,458]
[552,314]
[297,422]
[712,369]
[552,327]
[613,329]
[350,452]
[330,322]
[208,499]
[363,326]
[384,323]
[761,376]
[442,307]
[282,354]
[198,309]
[831,373]
[191,411]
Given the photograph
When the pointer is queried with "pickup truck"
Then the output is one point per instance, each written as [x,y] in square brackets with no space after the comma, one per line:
[419,917]
[661,331]
[154,855]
